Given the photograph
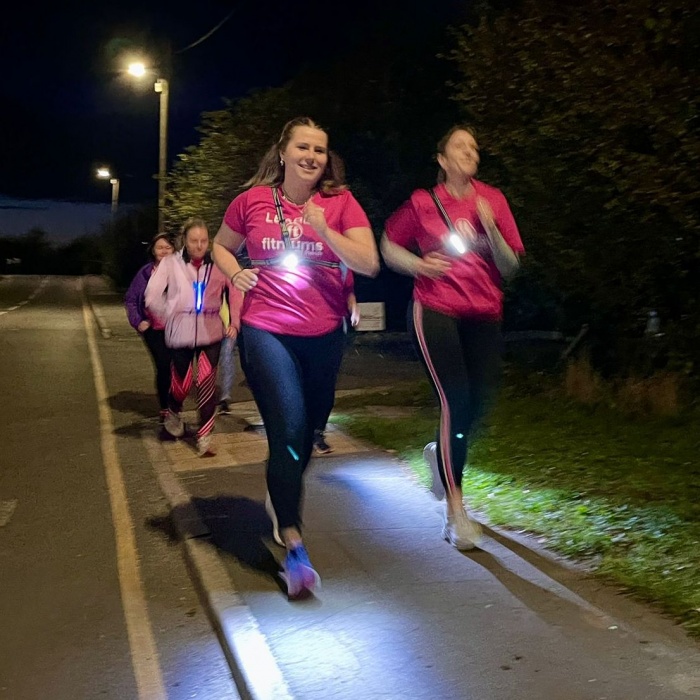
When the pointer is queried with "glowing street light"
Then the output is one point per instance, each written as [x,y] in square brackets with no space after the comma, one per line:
[138,70]
[106,174]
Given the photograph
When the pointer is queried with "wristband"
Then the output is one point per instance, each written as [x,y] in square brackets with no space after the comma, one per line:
[234,275]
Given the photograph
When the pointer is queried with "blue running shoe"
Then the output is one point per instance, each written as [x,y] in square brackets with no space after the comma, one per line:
[298,574]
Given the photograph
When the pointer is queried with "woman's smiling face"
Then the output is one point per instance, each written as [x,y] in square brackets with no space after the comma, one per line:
[461,157]
[306,155]
[162,248]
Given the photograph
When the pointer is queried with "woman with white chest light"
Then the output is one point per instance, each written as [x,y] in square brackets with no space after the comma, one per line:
[467,243]
[302,229]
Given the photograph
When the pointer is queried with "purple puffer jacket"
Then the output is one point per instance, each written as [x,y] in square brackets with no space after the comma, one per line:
[134,298]
[170,295]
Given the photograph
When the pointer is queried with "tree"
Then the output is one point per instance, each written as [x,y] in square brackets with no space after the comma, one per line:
[208,175]
[591,110]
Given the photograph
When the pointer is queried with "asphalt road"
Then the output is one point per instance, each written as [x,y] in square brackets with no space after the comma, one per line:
[95,600]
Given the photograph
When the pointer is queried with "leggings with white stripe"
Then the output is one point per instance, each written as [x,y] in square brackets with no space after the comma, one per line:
[462,358]
[181,378]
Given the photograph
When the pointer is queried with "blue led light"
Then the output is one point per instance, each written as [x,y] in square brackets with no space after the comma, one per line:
[199,288]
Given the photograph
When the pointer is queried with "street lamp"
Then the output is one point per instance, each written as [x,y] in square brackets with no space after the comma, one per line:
[138,70]
[106,174]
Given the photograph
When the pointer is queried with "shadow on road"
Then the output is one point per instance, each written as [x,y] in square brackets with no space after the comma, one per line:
[238,527]
[144,404]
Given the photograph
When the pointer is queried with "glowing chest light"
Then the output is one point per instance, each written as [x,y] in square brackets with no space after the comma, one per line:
[455,243]
[199,287]
[290,260]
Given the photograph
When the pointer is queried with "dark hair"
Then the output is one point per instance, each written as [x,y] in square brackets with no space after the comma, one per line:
[271,171]
[159,236]
[442,143]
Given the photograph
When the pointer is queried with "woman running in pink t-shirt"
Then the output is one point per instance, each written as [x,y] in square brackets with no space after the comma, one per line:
[467,242]
[301,228]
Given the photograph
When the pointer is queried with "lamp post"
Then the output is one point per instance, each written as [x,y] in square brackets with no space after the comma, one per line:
[105,174]
[138,70]
[161,87]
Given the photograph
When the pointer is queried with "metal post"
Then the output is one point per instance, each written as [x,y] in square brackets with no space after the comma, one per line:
[115,196]
[161,87]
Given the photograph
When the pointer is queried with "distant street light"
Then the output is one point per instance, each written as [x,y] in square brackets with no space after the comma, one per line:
[106,174]
[138,70]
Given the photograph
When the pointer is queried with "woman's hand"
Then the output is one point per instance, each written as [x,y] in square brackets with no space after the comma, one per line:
[143,326]
[316,218]
[433,265]
[231,332]
[483,209]
[244,280]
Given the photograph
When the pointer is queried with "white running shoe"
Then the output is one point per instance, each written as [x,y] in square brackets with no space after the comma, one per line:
[173,424]
[273,516]
[430,455]
[204,447]
[461,531]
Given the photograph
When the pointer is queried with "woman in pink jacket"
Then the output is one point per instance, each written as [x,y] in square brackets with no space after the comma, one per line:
[187,291]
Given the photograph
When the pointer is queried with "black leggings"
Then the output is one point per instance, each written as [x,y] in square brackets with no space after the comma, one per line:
[160,353]
[293,382]
[462,358]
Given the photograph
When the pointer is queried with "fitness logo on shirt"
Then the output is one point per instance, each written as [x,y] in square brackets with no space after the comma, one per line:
[466,230]
[475,243]
[312,249]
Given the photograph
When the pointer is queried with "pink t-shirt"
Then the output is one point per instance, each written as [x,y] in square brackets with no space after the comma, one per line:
[309,300]
[472,286]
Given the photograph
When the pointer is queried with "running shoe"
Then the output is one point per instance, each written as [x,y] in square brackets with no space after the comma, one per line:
[273,516]
[173,424]
[298,574]
[437,488]
[461,531]
[320,444]
[204,447]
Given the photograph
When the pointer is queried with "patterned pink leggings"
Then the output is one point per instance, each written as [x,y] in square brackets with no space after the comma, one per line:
[182,373]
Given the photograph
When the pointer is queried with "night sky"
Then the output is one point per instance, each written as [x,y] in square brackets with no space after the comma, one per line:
[65,108]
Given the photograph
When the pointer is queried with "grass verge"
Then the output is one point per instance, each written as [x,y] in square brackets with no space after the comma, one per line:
[619,494]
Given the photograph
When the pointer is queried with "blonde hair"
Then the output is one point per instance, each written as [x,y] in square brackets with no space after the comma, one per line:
[271,170]
[192,222]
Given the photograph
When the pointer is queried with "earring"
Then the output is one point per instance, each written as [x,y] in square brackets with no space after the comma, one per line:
[281,162]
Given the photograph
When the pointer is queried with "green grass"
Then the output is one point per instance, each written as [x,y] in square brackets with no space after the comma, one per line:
[621,495]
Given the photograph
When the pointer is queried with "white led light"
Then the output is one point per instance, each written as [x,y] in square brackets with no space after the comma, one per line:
[290,261]
[456,244]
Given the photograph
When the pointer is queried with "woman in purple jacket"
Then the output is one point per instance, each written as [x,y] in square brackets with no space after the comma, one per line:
[151,329]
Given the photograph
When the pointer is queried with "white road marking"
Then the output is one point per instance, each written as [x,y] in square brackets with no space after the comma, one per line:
[7,508]
[144,653]
[250,658]
[42,284]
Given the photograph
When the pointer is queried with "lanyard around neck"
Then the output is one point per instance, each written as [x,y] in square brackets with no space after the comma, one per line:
[280,216]
[286,238]
[441,209]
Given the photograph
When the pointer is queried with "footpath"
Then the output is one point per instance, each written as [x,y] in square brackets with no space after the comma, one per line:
[401,613]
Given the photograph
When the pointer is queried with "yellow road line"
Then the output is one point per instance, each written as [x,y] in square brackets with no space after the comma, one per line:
[144,653]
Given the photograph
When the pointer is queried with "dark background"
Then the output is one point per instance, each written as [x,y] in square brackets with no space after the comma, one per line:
[66,108]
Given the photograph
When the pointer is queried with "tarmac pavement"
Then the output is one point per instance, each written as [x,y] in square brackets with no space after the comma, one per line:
[401,613]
